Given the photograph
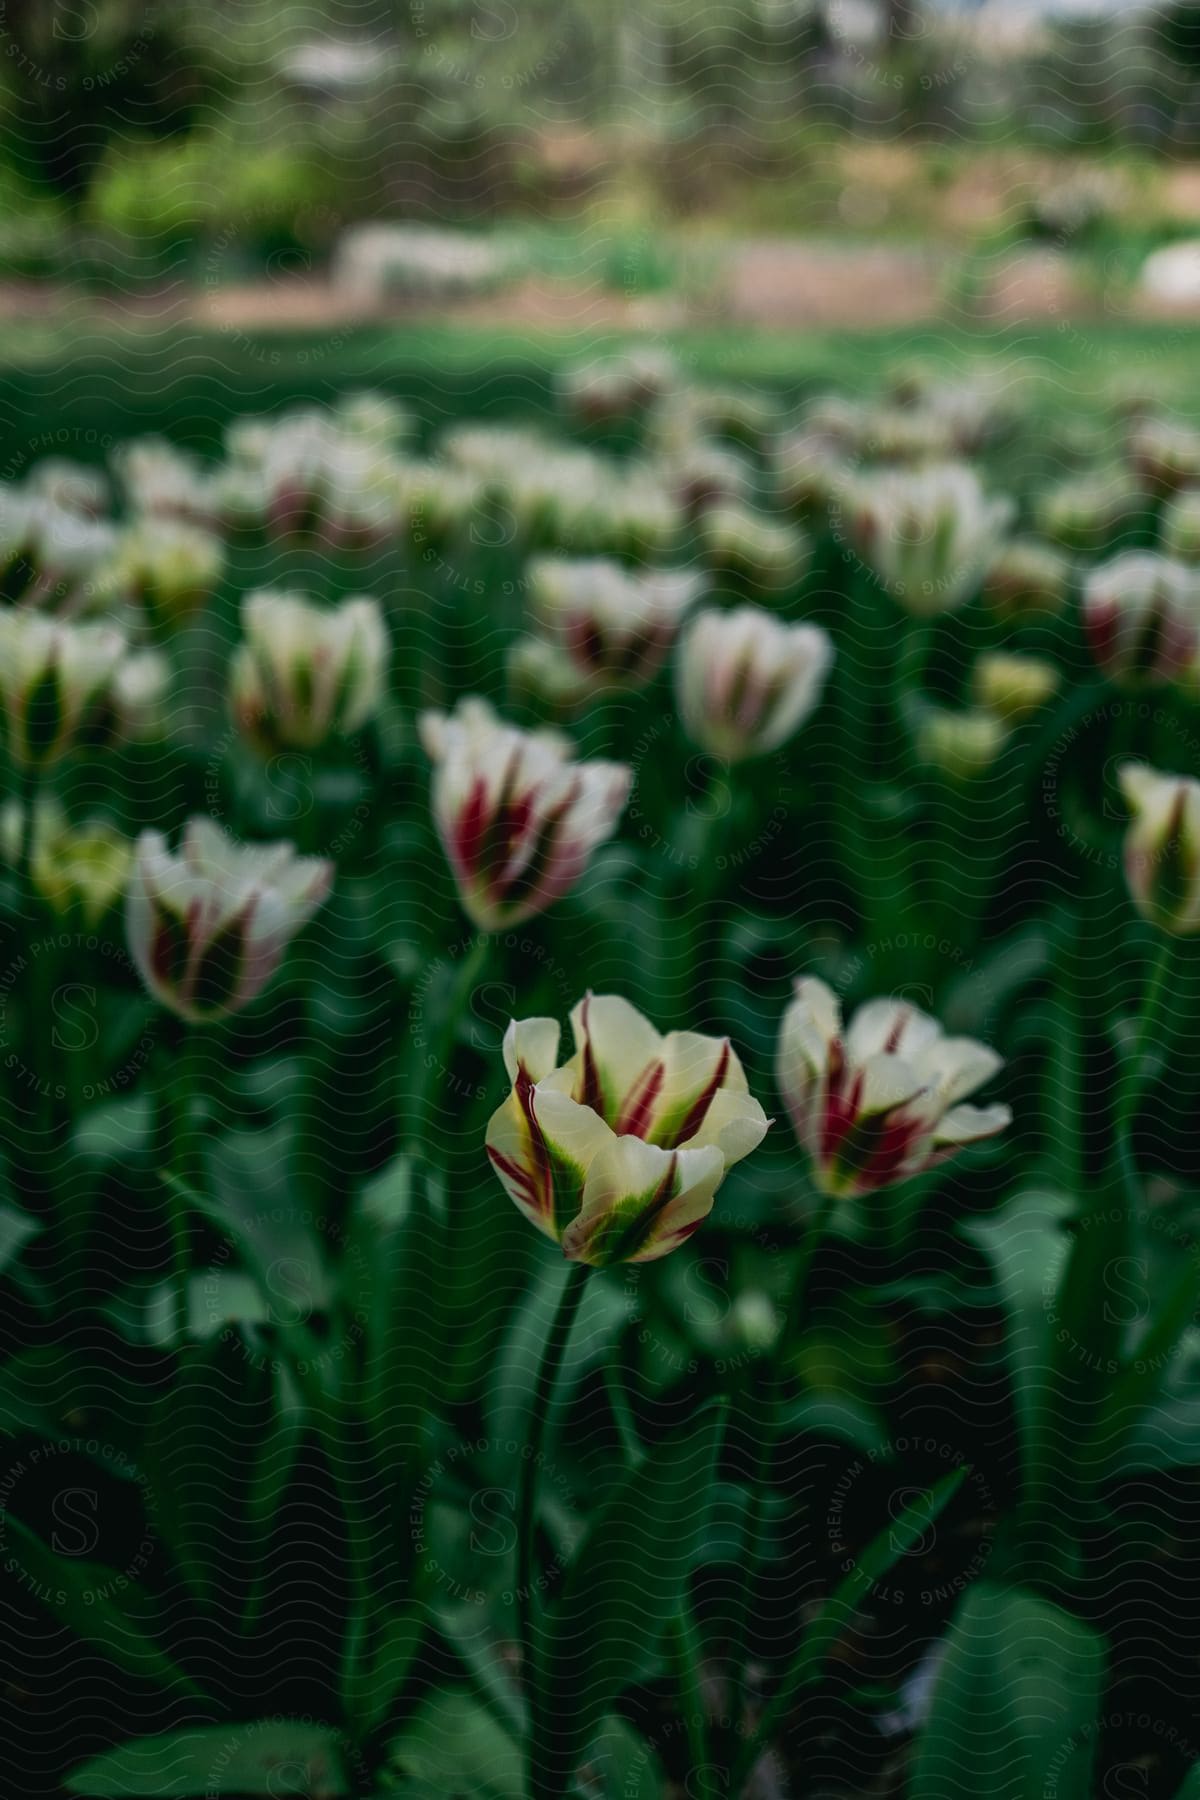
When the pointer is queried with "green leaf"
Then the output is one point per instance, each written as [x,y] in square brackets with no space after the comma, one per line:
[619,1595]
[16,1229]
[395,1256]
[458,1749]
[379,1682]
[1015,1703]
[266,1756]
[82,1598]
[896,1540]
[621,1761]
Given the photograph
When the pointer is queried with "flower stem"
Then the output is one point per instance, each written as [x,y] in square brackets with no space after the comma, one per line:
[180,1084]
[539,1406]
[772,1393]
[1154,1004]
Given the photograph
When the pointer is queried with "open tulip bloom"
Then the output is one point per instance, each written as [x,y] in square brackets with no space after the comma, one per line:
[517,818]
[879,1102]
[1141,612]
[615,626]
[618,1154]
[208,926]
[307,673]
[746,681]
[1162,847]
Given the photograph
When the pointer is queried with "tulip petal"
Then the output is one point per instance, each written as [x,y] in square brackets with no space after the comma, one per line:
[891,1026]
[614,1044]
[969,1124]
[640,1202]
[532,1045]
[735,1123]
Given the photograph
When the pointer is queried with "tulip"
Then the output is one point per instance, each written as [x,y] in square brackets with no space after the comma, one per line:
[1012,687]
[615,626]
[306,674]
[75,868]
[70,486]
[1027,580]
[171,566]
[1162,847]
[1165,455]
[53,679]
[517,818]
[1181,526]
[208,926]
[614,387]
[960,745]
[809,471]
[542,677]
[1141,613]
[1087,511]
[879,1102]
[137,705]
[927,534]
[83,868]
[159,481]
[746,681]
[617,1154]
[744,542]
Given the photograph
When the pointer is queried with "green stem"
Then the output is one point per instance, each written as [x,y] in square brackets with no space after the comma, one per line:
[181,1085]
[539,1406]
[1154,1003]
[771,1397]
[685,1646]
[433,1057]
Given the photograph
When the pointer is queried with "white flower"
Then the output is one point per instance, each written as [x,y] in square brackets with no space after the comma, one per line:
[617,1154]
[879,1102]
[517,818]
[746,681]
[208,926]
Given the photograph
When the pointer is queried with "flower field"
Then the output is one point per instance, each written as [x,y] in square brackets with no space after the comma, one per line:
[601,1180]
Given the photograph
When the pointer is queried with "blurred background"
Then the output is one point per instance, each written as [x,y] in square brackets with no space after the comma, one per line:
[556,165]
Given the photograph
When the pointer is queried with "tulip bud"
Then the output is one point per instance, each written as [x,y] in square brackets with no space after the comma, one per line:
[306,674]
[137,705]
[1180,526]
[615,626]
[1165,455]
[169,565]
[617,1154]
[1012,687]
[70,486]
[1141,613]
[615,387]
[82,868]
[1088,511]
[960,745]
[746,682]
[927,534]
[1162,847]
[809,471]
[208,926]
[878,1103]
[542,677]
[1027,580]
[53,679]
[517,818]
[740,541]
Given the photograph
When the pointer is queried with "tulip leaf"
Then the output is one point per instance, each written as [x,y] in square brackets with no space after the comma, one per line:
[16,1229]
[1015,1702]
[82,1598]
[265,1756]
[897,1539]
[454,1746]
[394,1261]
[620,1593]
